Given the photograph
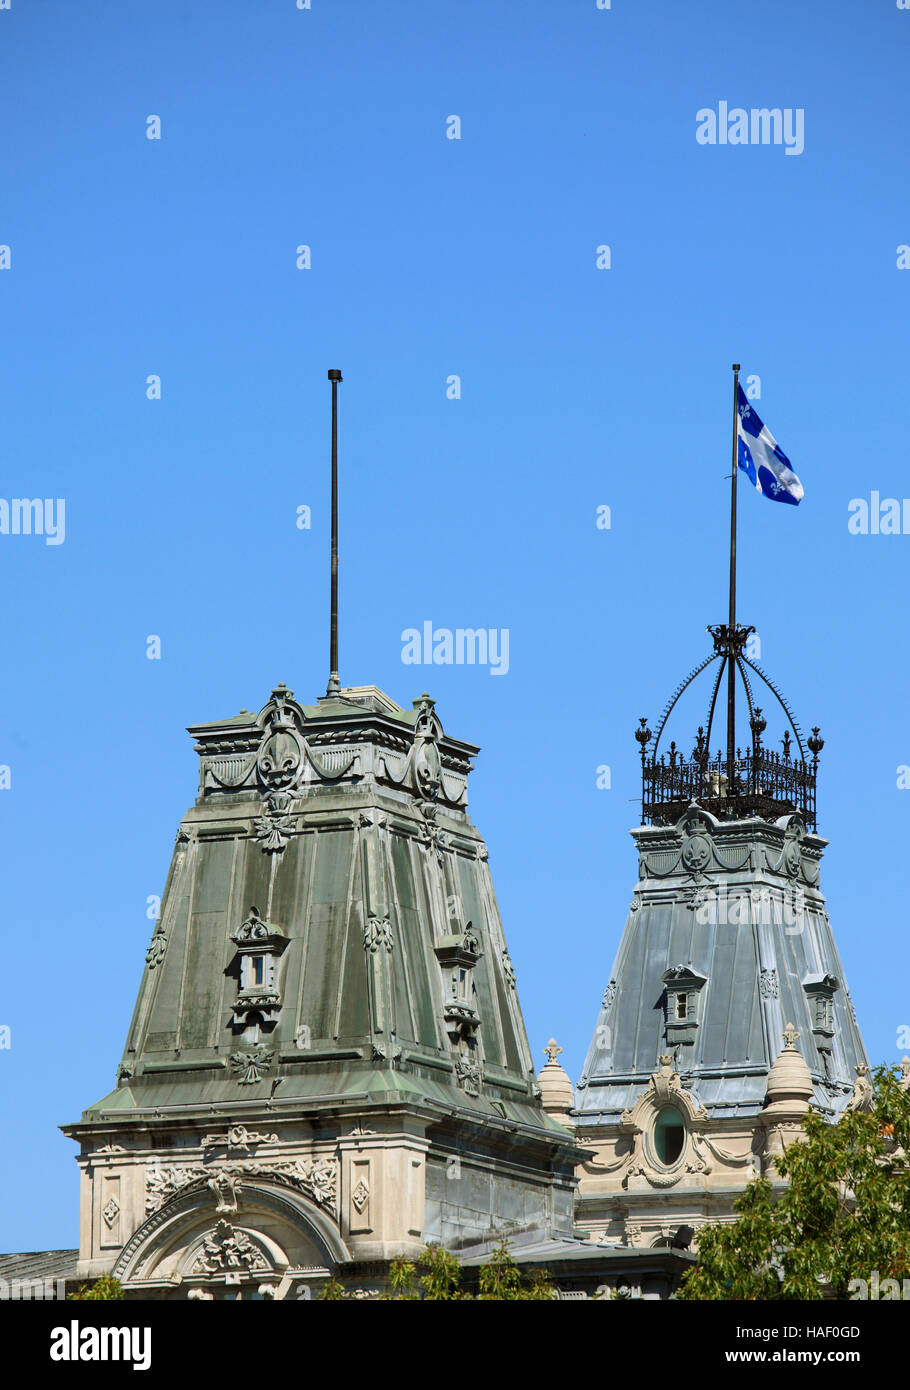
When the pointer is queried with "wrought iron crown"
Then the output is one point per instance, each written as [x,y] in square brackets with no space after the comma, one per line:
[756,781]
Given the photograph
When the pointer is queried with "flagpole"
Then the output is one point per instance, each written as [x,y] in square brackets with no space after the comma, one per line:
[334,684]
[731,625]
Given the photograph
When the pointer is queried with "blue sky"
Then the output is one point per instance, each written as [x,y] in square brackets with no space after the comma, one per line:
[580,387]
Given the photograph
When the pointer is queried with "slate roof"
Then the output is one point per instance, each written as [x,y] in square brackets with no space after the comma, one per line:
[39,1264]
[708,896]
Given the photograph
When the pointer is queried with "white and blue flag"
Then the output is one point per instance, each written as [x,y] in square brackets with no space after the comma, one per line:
[762,458]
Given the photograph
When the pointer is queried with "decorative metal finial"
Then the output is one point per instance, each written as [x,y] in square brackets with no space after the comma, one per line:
[815,743]
[552,1050]
[643,734]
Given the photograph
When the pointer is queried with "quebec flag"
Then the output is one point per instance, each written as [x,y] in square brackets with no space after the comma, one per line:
[760,455]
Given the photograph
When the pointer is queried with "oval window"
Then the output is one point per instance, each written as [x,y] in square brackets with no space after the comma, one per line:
[669,1135]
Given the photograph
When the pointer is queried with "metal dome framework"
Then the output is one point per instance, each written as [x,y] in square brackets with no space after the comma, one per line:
[751,782]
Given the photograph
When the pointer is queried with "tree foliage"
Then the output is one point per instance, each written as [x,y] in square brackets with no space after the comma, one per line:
[437,1277]
[844,1213]
[106,1288]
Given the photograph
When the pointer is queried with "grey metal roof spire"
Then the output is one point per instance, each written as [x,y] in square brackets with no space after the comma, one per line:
[727,938]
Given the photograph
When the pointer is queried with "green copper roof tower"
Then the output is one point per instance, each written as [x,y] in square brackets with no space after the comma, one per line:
[327,1063]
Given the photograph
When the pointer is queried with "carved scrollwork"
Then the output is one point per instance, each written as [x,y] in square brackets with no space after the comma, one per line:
[227,1248]
[315,1178]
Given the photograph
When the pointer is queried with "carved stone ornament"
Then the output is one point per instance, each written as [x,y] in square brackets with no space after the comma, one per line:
[767,984]
[280,757]
[249,1067]
[226,1188]
[271,751]
[664,1086]
[315,1178]
[468,1074]
[696,852]
[361,1194]
[790,861]
[508,968]
[283,756]
[664,1089]
[157,948]
[227,1248]
[275,827]
[792,854]
[255,931]
[377,935]
[863,1097]
[435,838]
[427,766]
[423,772]
[240,1138]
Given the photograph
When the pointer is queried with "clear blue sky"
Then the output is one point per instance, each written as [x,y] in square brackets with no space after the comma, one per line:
[580,387]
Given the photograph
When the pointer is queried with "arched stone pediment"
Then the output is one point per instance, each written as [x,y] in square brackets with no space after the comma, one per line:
[271,1231]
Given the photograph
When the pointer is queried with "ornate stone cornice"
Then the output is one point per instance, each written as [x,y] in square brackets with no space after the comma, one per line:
[286,749]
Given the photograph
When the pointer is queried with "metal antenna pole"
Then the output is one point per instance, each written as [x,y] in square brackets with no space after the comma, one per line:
[334,685]
[731,624]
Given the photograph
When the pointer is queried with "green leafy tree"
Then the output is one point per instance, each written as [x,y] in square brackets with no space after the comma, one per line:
[441,1275]
[501,1279]
[331,1291]
[107,1287]
[436,1277]
[844,1213]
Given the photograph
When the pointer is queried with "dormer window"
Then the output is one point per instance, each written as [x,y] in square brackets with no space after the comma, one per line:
[260,946]
[457,955]
[460,983]
[820,992]
[682,986]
